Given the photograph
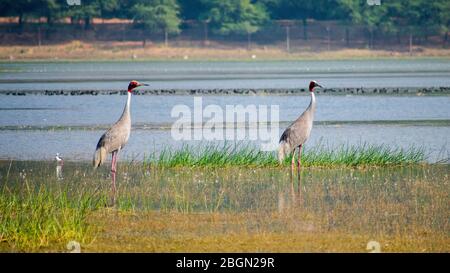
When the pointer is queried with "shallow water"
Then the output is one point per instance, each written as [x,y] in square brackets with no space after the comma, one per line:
[210,75]
[73,125]
[80,144]
[156,110]
[269,190]
[36,127]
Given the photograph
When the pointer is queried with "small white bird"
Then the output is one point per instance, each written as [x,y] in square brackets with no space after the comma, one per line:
[59,166]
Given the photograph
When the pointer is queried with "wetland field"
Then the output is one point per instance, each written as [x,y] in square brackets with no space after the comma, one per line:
[376,167]
[173,206]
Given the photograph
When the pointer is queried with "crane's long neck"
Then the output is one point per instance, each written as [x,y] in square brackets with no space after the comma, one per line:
[312,104]
[126,110]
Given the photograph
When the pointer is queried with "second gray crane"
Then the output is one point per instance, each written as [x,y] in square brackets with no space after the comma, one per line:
[298,132]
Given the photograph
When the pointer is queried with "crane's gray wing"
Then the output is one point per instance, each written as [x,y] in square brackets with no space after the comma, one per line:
[101,141]
[297,133]
[113,139]
[285,135]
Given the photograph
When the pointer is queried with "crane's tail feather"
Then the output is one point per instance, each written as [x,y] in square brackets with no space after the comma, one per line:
[99,156]
[283,149]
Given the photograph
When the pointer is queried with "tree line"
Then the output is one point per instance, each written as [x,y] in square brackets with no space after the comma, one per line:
[244,17]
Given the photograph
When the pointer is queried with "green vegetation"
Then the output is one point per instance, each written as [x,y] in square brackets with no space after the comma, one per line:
[157,16]
[375,155]
[420,17]
[405,208]
[215,156]
[238,17]
[36,213]
[239,155]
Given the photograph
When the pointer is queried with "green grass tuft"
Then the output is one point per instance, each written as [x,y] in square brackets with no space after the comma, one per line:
[239,155]
[36,216]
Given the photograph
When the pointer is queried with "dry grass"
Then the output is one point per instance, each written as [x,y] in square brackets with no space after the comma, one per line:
[77,50]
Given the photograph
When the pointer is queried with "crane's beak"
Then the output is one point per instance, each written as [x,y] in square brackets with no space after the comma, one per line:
[138,85]
[318,85]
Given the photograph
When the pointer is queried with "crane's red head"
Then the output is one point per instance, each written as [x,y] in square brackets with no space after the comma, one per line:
[312,85]
[134,84]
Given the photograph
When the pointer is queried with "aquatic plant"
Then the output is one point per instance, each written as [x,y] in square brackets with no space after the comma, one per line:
[38,212]
[35,214]
[245,155]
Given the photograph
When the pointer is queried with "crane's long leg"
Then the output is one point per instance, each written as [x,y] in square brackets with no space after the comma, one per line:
[298,167]
[113,176]
[293,161]
[292,175]
[299,156]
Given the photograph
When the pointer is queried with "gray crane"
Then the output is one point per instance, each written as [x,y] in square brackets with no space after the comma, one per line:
[298,132]
[113,140]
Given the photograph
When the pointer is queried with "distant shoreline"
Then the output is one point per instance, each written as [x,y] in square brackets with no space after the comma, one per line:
[133,51]
[418,91]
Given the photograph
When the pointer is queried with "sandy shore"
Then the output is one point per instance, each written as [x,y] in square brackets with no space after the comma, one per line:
[77,50]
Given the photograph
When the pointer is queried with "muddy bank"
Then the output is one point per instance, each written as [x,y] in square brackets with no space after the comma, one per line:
[238,91]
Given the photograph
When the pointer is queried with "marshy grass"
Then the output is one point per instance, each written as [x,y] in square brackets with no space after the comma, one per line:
[365,155]
[168,204]
[37,211]
[242,209]
[212,155]
[31,221]
[241,155]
